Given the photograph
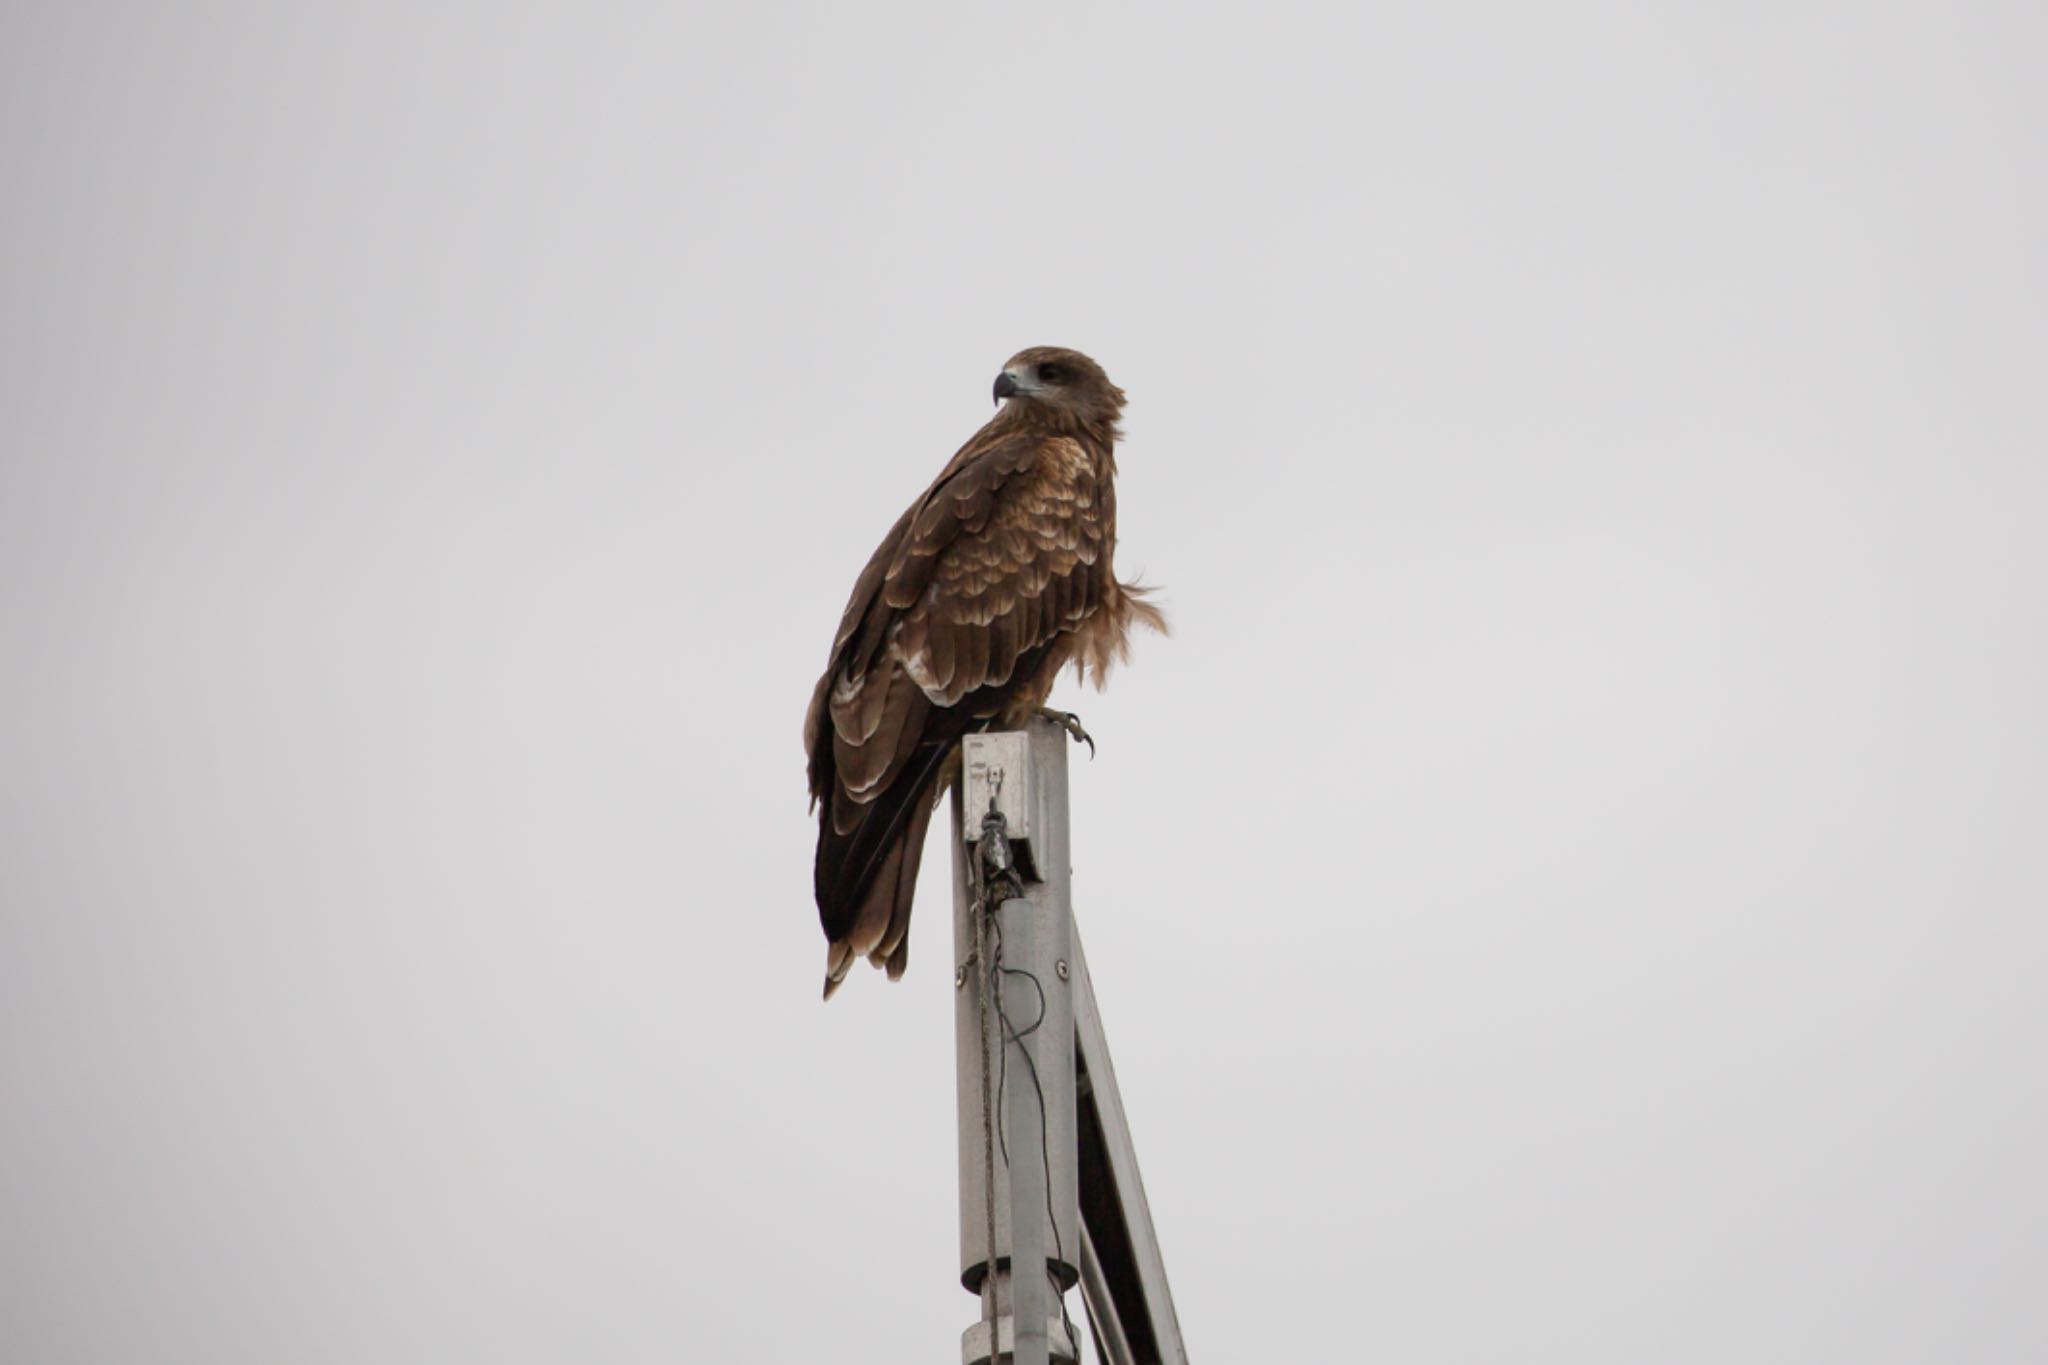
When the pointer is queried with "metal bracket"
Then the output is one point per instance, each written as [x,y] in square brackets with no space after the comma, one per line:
[997,768]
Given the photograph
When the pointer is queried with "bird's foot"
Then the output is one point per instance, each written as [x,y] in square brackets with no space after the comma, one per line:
[1071,723]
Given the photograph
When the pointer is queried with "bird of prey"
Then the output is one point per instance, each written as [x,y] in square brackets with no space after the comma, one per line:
[989,584]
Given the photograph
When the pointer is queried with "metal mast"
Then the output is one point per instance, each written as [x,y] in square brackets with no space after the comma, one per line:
[1055,1177]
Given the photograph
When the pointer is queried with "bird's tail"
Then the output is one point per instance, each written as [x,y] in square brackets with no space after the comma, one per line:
[880,928]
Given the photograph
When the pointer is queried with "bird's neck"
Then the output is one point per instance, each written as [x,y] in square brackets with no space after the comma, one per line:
[1100,434]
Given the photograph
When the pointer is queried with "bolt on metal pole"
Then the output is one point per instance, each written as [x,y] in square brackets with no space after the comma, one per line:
[1031,1157]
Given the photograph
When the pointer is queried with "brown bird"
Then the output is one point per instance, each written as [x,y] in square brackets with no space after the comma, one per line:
[995,579]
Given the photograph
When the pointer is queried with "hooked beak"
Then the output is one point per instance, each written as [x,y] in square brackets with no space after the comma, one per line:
[1006,386]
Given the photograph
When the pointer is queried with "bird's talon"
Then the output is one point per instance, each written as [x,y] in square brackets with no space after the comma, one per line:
[1071,723]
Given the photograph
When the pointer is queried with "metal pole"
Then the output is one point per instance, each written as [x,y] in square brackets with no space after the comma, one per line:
[1030,1059]
[1026,1148]
[1124,1273]
[1111,1342]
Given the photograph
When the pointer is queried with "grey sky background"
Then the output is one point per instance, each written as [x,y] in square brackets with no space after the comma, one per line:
[1571,889]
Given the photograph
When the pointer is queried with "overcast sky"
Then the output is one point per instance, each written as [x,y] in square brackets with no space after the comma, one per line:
[1571,889]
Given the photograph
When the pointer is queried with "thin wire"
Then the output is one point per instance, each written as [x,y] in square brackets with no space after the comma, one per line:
[1044,1130]
[992,852]
[989,1118]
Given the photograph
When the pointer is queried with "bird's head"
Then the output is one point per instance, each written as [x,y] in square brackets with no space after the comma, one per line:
[1060,387]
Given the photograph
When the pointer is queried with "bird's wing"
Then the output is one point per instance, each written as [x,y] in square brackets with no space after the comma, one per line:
[960,604]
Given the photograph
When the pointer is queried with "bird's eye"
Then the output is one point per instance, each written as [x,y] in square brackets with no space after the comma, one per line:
[1052,374]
